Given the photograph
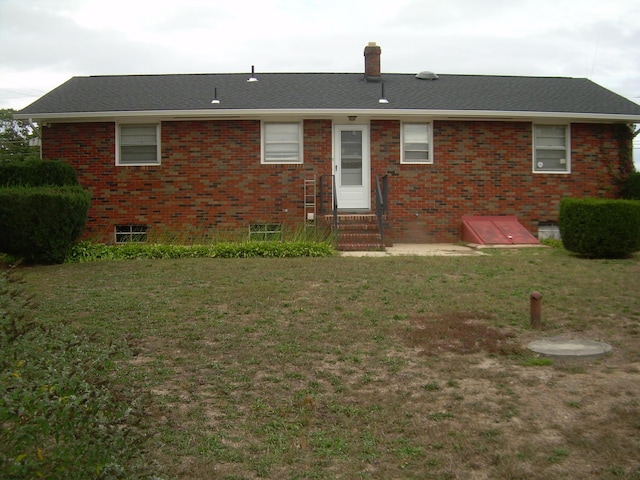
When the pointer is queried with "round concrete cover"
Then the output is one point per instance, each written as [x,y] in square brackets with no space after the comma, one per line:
[559,347]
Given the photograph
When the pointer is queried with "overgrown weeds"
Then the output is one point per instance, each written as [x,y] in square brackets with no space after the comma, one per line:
[59,417]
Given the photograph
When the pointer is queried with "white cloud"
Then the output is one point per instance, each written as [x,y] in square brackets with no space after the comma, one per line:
[56,39]
[48,41]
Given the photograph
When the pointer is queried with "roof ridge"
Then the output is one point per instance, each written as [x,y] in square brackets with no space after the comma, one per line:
[475,75]
[388,74]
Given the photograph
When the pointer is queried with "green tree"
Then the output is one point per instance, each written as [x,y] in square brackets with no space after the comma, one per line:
[14,138]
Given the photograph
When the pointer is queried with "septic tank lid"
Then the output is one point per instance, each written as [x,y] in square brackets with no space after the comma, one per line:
[574,348]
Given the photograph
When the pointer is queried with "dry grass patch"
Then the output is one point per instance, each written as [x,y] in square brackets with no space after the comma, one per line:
[461,333]
[369,368]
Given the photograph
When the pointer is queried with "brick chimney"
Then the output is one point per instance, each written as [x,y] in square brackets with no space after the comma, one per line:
[372,63]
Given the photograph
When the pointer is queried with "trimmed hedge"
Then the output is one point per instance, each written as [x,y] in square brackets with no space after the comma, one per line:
[600,228]
[37,173]
[40,224]
[631,187]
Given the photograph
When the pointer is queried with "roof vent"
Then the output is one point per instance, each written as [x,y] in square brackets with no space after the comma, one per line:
[252,78]
[426,75]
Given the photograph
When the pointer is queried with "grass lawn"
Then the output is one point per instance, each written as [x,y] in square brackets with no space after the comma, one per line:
[366,368]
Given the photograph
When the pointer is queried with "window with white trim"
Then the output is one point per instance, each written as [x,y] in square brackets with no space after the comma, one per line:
[551,152]
[138,144]
[416,143]
[265,231]
[131,233]
[281,143]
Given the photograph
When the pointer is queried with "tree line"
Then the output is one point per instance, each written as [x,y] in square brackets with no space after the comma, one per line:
[14,138]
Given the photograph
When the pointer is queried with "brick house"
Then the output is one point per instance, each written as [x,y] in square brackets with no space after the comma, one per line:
[202,153]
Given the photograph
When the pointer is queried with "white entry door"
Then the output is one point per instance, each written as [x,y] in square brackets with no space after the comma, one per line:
[352,167]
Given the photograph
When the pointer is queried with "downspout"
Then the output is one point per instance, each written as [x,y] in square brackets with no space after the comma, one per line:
[38,133]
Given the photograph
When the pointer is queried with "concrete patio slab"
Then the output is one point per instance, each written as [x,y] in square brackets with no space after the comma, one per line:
[419,249]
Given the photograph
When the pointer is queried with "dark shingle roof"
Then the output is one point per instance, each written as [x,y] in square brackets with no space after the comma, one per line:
[317,91]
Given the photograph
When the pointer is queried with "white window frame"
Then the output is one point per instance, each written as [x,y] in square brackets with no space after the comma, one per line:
[131,233]
[298,159]
[429,141]
[119,145]
[537,166]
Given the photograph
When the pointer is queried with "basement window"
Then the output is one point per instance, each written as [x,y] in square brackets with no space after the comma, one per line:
[548,230]
[551,153]
[138,145]
[265,232]
[131,233]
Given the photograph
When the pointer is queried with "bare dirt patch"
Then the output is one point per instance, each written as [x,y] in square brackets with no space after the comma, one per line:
[460,333]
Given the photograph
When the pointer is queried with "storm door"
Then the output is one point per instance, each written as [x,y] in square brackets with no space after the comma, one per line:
[352,167]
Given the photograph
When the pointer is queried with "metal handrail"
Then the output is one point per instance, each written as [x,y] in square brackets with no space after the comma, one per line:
[334,198]
[381,203]
[335,203]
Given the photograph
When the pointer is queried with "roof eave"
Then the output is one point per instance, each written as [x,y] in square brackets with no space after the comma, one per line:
[326,112]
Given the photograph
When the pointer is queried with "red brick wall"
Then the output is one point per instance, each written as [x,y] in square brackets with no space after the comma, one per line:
[211,178]
[485,168]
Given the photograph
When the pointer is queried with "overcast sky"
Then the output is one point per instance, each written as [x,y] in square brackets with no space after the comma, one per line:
[45,42]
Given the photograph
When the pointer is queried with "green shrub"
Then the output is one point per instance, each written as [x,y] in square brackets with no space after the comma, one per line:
[631,187]
[600,228]
[37,173]
[552,242]
[40,224]
[86,252]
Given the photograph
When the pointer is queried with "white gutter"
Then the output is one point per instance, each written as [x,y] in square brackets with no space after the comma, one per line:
[326,113]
